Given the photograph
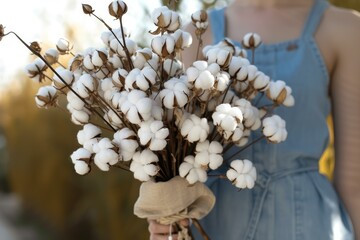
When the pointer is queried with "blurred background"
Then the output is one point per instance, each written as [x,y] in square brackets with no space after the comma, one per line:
[41,197]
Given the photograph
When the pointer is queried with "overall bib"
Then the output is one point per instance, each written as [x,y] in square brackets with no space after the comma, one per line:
[291,199]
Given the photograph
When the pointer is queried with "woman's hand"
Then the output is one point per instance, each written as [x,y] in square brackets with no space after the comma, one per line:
[161,232]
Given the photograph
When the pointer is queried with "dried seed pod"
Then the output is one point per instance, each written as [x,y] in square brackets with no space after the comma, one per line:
[2,31]
[35,46]
[117,9]
[87,9]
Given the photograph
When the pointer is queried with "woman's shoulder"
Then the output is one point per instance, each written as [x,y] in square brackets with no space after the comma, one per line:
[338,35]
[341,23]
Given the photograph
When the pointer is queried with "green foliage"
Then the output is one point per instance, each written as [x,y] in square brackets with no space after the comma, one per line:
[64,205]
[353,4]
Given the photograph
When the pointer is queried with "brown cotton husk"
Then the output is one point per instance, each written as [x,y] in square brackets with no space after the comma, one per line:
[35,46]
[48,100]
[87,9]
[2,31]
[282,96]
[171,201]
[119,12]
[76,63]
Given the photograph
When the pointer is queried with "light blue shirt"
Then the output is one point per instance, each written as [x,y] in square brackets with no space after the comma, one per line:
[291,199]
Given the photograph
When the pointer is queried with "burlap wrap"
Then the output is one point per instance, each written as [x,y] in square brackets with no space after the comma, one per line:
[171,201]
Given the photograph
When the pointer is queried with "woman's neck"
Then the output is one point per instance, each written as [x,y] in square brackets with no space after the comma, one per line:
[272,3]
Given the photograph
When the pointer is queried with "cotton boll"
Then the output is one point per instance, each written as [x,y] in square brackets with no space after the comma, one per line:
[86,85]
[144,106]
[155,133]
[133,115]
[199,16]
[274,129]
[80,117]
[184,169]
[106,158]
[75,102]
[195,129]
[90,144]
[236,64]
[192,171]
[119,77]
[103,166]
[130,80]
[222,81]
[141,165]
[172,66]
[240,52]
[227,117]
[163,45]
[141,57]
[106,37]
[209,154]
[88,63]
[205,80]
[63,46]
[220,56]
[137,107]
[157,44]
[261,82]
[277,92]
[175,93]
[199,20]
[216,161]
[117,9]
[80,154]
[182,39]
[99,58]
[46,97]
[192,73]
[88,132]
[251,40]
[157,12]
[80,159]
[51,56]
[118,99]
[115,62]
[242,174]
[66,75]
[146,79]
[35,70]
[231,174]
[108,88]
[141,175]
[166,20]
[81,168]
[125,139]
[244,138]
[131,46]
[114,119]
[104,143]
[289,100]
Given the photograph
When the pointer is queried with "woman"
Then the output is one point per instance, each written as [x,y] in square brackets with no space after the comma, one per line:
[315,48]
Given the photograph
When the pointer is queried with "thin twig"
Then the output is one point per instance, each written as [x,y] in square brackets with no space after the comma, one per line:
[200,229]
[61,79]
[242,149]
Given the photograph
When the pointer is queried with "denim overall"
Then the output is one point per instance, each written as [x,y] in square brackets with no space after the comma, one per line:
[291,199]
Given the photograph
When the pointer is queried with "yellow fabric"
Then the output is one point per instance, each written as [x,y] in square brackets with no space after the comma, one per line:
[327,161]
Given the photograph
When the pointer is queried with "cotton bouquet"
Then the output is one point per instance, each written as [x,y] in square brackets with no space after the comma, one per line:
[140,109]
